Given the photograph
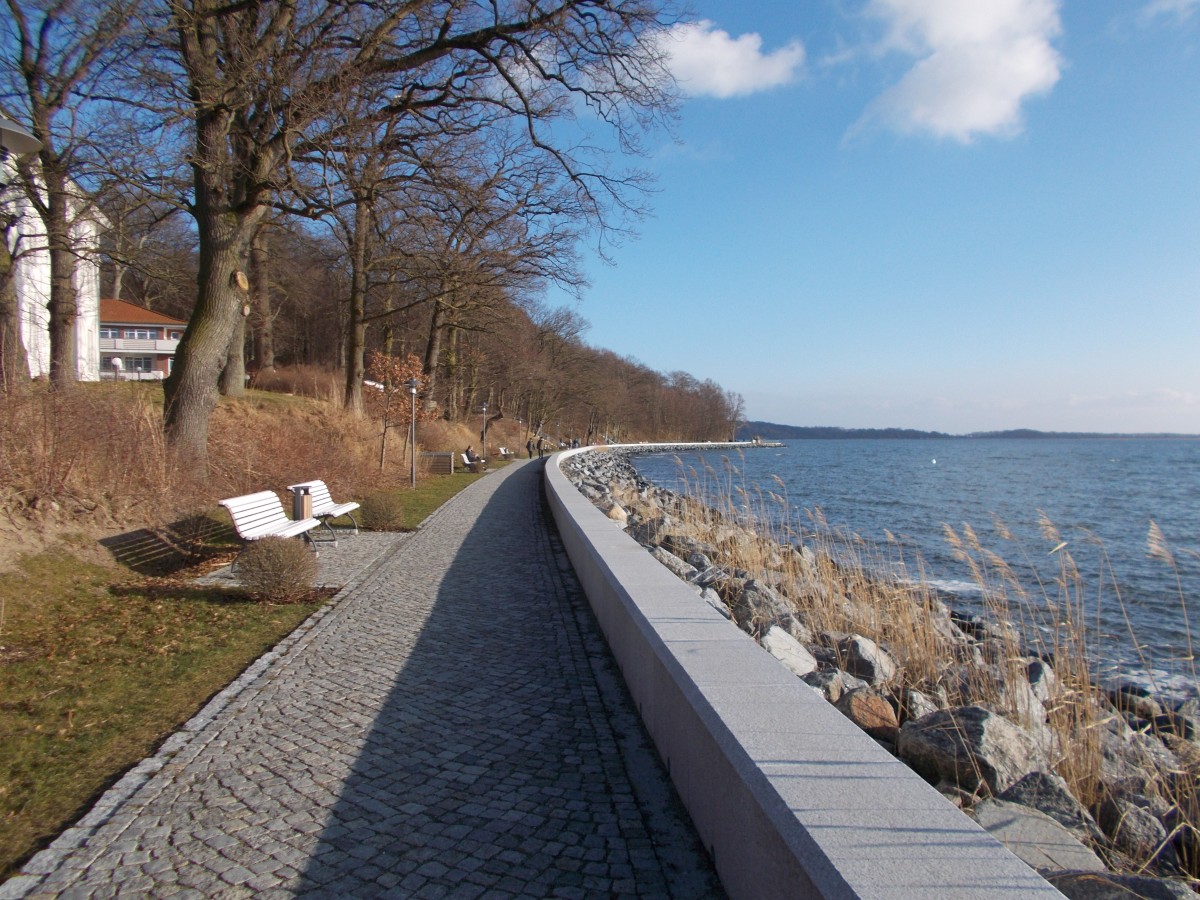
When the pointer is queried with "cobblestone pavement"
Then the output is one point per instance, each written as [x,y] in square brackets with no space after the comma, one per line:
[451,726]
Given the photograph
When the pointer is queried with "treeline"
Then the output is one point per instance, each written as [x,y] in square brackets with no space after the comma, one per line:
[775,432]
[308,182]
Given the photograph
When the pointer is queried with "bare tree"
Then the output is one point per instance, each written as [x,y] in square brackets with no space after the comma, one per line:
[260,76]
[61,57]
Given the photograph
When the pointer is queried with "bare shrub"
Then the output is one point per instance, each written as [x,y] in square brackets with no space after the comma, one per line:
[96,449]
[278,569]
[383,511]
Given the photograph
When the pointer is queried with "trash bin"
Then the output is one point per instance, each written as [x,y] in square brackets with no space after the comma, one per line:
[301,502]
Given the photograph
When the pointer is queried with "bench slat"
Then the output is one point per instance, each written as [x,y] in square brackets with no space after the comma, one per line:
[323,504]
[261,515]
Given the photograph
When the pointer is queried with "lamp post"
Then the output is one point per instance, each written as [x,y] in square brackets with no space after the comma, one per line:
[483,434]
[14,140]
[412,384]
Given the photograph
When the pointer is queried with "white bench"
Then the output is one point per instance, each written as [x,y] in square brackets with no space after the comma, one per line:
[324,507]
[261,515]
[473,466]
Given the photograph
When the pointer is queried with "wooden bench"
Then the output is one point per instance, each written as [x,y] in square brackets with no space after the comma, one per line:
[438,462]
[323,505]
[261,515]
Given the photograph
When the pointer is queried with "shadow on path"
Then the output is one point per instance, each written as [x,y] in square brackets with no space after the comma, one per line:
[506,758]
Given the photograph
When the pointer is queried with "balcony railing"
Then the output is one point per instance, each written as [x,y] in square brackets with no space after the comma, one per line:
[130,345]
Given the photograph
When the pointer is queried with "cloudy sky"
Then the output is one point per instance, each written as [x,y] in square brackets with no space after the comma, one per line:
[955,215]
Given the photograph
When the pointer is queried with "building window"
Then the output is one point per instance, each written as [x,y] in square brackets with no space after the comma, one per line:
[141,334]
[107,331]
[139,363]
[176,335]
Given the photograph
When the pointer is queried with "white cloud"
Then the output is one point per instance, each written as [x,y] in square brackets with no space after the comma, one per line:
[979,61]
[1181,9]
[707,61]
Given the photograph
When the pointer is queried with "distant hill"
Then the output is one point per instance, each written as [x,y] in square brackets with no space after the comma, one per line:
[770,431]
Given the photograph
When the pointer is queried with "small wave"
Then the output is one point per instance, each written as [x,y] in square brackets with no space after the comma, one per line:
[949,586]
[954,586]
[1169,686]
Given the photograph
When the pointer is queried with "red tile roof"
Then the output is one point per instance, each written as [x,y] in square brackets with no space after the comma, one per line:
[119,312]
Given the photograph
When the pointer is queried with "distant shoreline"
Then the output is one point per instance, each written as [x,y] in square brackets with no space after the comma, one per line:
[774,432]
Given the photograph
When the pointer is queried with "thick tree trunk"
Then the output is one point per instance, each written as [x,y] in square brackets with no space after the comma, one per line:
[260,301]
[433,348]
[14,364]
[356,332]
[63,311]
[225,230]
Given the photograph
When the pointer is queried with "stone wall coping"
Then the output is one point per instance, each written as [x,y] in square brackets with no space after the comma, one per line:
[790,798]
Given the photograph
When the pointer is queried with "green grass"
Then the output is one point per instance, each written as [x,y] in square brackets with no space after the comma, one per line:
[96,669]
[432,491]
[98,666]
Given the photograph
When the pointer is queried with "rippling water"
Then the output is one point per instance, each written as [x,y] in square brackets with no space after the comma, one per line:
[1100,494]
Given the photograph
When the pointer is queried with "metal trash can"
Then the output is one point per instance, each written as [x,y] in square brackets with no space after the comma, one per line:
[301,503]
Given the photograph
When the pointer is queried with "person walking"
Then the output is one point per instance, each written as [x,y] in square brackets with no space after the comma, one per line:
[529,448]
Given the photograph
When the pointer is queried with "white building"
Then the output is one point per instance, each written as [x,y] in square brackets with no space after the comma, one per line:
[31,276]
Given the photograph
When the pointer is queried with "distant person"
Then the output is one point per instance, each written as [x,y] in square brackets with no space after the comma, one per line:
[472,456]
[529,447]
[541,447]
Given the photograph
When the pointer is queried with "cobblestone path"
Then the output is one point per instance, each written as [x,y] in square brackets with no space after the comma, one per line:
[451,726]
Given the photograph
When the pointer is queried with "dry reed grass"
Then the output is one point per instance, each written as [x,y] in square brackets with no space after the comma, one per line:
[841,584]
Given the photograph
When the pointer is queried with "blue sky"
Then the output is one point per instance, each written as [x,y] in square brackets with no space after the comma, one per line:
[954,215]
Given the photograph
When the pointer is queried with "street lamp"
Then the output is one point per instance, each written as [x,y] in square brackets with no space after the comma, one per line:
[15,140]
[412,384]
[483,434]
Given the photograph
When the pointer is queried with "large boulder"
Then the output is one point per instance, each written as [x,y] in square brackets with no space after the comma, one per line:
[756,607]
[1049,793]
[1135,699]
[673,562]
[1036,838]
[865,659]
[1135,831]
[871,712]
[832,682]
[1042,680]
[1109,886]
[970,747]
[788,651]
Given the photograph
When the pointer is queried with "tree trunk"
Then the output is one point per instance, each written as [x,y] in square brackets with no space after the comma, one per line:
[356,332]
[14,364]
[233,376]
[260,300]
[225,230]
[389,331]
[63,311]
[433,348]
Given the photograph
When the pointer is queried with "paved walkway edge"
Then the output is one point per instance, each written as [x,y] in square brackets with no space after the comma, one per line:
[789,797]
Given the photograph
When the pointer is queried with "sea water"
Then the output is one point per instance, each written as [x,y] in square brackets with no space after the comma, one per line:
[1100,496]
